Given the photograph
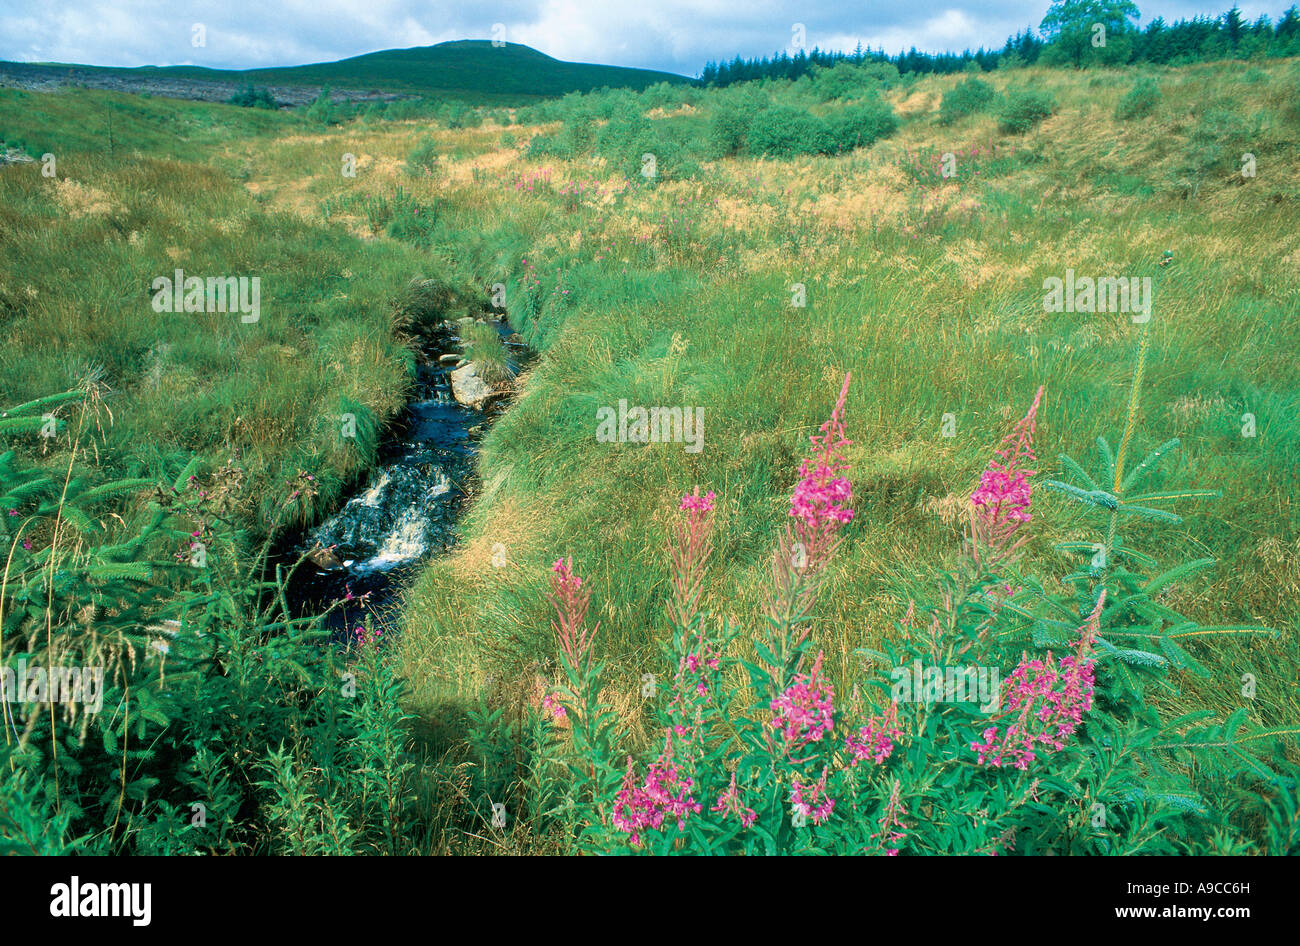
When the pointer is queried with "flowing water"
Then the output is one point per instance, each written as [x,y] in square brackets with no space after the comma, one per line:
[408,509]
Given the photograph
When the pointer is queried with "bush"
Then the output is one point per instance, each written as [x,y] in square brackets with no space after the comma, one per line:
[423,161]
[729,129]
[577,137]
[411,221]
[322,110]
[459,115]
[407,109]
[1139,101]
[860,126]
[1023,109]
[249,97]
[1217,142]
[966,98]
[846,81]
[784,132]
[249,689]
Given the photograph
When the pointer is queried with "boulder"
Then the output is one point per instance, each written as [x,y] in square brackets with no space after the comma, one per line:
[470,389]
[324,559]
[14,156]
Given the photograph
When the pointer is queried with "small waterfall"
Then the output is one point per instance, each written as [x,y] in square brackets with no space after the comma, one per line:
[407,509]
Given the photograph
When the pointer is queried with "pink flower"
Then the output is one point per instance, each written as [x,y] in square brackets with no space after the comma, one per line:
[729,803]
[697,502]
[1042,704]
[891,823]
[805,712]
[876,739]
[689,552]
[552,704]
[811,800]
[571,600]
[1003,497]
[363,639]
[665,793]
[819,506]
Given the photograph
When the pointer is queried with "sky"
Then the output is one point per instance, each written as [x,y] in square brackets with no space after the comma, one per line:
[672,35]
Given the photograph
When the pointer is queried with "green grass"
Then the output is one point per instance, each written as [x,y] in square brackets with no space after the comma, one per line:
[79,253]
[483,346]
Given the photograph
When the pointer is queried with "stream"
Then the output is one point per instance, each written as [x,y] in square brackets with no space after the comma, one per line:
[408,509]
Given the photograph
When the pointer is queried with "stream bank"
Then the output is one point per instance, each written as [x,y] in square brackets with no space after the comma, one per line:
[408,508]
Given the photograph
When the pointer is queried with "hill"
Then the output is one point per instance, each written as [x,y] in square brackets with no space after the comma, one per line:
[472,70]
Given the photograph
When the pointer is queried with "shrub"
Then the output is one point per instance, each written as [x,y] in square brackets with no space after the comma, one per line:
[1217,142]
[411,221]
[249,97]
[966,98]
[460,115]
[1139,101]
[837,82]
[1023,109]
[846,81]
[423,161]
[322,111]
[729,129]
[407,109]
[859,126]
[196,648]
[784,132]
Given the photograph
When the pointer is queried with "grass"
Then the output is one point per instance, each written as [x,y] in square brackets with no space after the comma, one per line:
[678,292]
[79,255]
[484,347]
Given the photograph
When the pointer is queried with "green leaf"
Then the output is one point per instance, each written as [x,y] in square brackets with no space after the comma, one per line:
[1146,512]
[1148,463]
[1070,464]
[1095,497]
[1174,494]
[1163,580]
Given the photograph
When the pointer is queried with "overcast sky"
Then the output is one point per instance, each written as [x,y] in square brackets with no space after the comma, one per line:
[673,35]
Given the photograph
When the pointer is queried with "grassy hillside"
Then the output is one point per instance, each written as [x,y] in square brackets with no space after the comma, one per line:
[474,70]
[683,289]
